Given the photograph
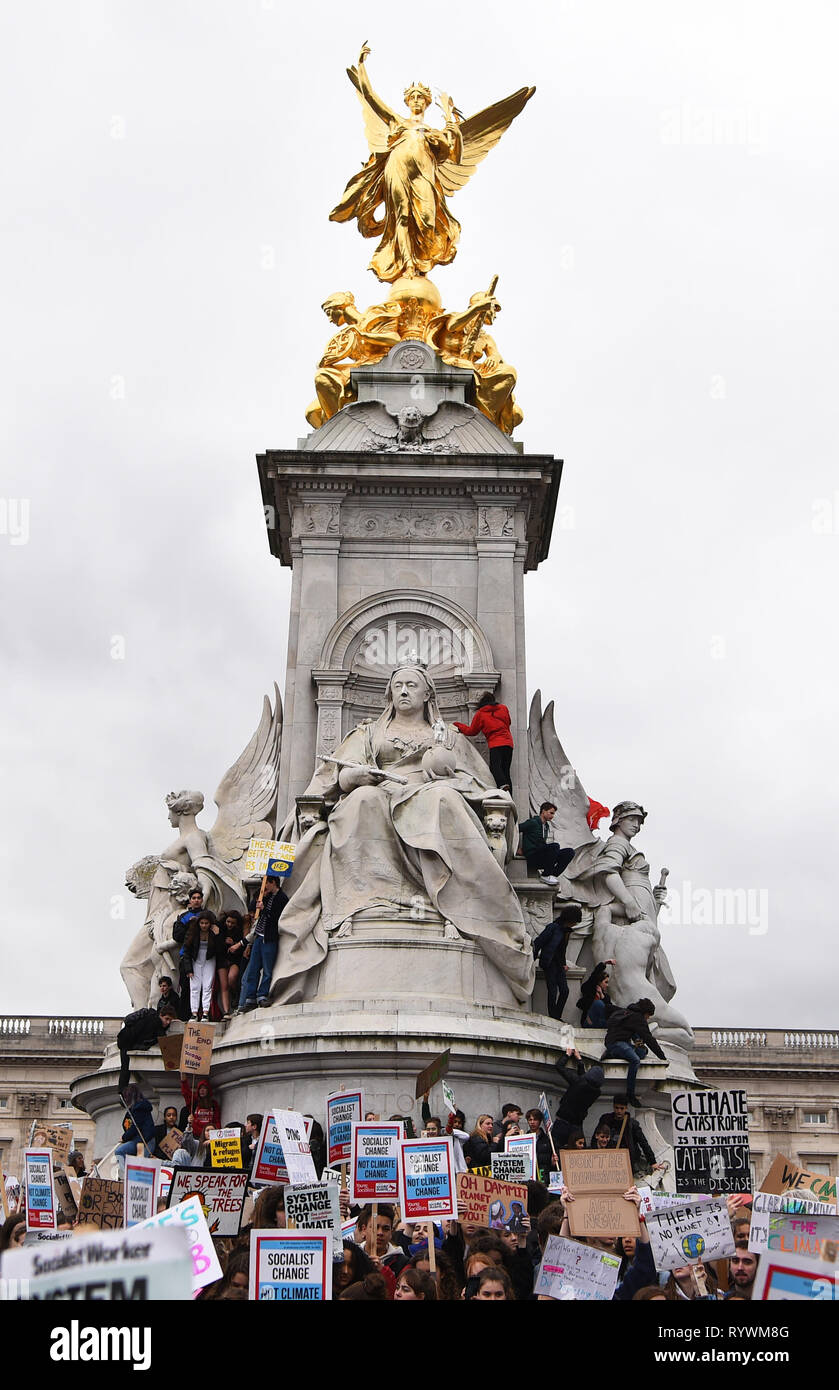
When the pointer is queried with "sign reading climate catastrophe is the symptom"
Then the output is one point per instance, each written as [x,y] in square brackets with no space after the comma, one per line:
[711,1141]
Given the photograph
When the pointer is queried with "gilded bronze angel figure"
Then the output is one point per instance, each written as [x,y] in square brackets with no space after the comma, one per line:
[412,168]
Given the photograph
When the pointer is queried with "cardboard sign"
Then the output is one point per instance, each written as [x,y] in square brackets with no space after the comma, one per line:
[427,1190]
[785,1176]
[59,1138]
[171,1045]
[101,1203]
[291,1266]
[65,1196]
[142,1266]
[487,1202]
[686,1234]
[315,1206]
[767,1204]
[294,1141]
[225,1148]
[374,1161]
[172,1141]
[41,1212]
[197,1048]
[570,1270]
[711,1141]
[342,1107]
[434,1072]
[511,1167]
[597,1180]
[276,856]
[140,1190]
[221,1195]
[786,1279]
[188,1221]
[524,1144]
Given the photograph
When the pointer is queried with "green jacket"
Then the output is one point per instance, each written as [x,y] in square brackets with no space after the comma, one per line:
[534,833]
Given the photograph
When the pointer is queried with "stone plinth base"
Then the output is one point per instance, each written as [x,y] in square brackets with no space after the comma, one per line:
[292,1055]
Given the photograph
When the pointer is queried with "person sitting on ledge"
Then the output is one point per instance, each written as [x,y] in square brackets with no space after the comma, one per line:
[543,857]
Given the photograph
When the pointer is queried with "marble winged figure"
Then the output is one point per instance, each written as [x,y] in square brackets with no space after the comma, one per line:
[610,877]
[246,799]
[400,193]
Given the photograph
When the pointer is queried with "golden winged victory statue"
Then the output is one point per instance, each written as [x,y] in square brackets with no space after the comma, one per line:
[400,193]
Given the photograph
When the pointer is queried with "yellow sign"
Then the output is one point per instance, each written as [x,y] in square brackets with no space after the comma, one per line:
[261,853]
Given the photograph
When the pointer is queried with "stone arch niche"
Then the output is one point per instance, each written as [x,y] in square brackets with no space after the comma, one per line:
[384,629]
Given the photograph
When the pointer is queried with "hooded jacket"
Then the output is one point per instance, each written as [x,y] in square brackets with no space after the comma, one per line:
[580,1096]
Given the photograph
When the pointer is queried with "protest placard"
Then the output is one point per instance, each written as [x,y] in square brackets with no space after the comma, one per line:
[546,1112]
[448,1097]
[582,1273]
[524,1144]
[597,1180]
[510,1167]
[197,1048]
[789,1279]
[711,1141]
[172,1140]
[292,1266]
[165,1179]
[294,1142]
[225,1148]
[101,1203]
[170,1045]
[683,1235]
[315,1206]
[269,856]
[342,1107]
[41,1212]
[112,1265]
[427,1180]
[59,1138]
[190,1223]
[486,1202]
[140,1189]
[767,1204]
[65,1197]
[222,1196]
[331,1175]
[810,1237]
[374,1161]
[269,1165]
[786,1176]
[434,1072]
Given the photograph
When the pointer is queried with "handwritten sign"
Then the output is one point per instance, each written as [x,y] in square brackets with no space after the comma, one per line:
[222,1196]
[768,1204]
[374,1161]
[686,1234]
[226,1148]
[427,1190]
[785,1176]
[172,1141]
[59,1138]
[269,856]
[65,1196]
[40,1193]
[316,1206]
[813,1237]
[197,1048]
[101,1203]
[188,1219]
[711,1141]
[434,1072]
[486,1202]
[140,1190]
[576,1272]
[597,1179]
[291,1266]
[293,1133]
[342,1107]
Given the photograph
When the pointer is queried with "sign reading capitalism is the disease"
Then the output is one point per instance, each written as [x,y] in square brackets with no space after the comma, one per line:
[711,1141]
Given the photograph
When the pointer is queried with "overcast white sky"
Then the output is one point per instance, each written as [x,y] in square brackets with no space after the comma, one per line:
[663,217]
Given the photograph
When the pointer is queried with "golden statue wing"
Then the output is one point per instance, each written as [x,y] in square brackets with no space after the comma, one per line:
[479,133]
[376,129]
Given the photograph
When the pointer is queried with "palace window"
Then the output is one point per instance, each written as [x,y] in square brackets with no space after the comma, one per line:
[815,1117]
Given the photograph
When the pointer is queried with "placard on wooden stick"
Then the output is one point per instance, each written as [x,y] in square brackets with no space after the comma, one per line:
[597,1180]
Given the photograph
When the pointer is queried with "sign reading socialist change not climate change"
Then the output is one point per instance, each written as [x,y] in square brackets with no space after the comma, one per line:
[427,1190]
[292,1266]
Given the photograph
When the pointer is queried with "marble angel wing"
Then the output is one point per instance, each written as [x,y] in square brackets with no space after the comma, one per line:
[552,778]
[247,794]
[375,128]
[478,136]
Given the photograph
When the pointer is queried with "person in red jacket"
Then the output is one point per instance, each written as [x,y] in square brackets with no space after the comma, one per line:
[201,1104]
[493,721]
